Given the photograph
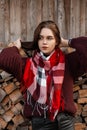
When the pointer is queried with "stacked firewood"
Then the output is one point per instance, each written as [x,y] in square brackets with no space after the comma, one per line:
[11,105]
[80,98]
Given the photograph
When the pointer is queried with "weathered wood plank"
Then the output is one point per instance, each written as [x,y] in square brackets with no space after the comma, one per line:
[51,9]
[2,4]
[77,17]
[7,21]
[15,21]
[23,19]
[56,11]
[45,10]
[72,18]
[61,18]
[19,18]
[33,17]
[67,17]
[82,17]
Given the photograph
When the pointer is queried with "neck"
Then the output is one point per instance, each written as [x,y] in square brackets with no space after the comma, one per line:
[47,55]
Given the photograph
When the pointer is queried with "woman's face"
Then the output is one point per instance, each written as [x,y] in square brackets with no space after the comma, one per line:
[47,41]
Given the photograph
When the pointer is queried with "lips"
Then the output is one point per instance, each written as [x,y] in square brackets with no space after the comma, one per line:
[44,47]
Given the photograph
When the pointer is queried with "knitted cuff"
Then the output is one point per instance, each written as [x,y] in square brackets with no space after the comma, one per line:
[69,42]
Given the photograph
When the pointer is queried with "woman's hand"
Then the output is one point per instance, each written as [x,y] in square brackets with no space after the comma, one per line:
[17,43]
[64,46]
[64,43]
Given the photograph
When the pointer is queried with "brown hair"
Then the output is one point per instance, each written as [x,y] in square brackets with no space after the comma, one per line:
[46,24]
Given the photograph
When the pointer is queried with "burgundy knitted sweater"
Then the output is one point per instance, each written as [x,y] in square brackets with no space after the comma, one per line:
[75,66]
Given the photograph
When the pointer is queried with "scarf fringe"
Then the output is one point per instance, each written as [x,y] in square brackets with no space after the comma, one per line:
[36,106]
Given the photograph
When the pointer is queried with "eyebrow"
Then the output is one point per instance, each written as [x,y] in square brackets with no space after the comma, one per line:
[47,36]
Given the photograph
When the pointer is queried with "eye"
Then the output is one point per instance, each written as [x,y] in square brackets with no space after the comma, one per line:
[50,38]
[40,37]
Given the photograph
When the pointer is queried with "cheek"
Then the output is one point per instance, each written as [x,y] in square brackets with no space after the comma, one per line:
[53,46]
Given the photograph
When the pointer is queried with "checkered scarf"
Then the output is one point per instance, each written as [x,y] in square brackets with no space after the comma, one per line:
[43,78]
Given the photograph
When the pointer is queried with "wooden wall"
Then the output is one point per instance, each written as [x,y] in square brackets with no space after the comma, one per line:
[19,18]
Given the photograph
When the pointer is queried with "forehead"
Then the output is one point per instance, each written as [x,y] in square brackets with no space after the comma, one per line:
[46,32]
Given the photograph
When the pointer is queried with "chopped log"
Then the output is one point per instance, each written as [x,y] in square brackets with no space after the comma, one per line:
[85,107]
[2,94]
[75,95]
[10,88]
[18,119]
[17,84]
[3,124]
[84,113]
[17,109]
[11,127]
[76,88]
[2,111]
[15,96]
[8,78]
[80,126]
[80,82]
[14,80]
[6,103]
[79,109]
[85,120]
[7,116]
[82,100]
[83,93]
[84,86]
[4,84]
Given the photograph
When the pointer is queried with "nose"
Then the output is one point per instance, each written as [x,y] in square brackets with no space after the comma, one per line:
[44,41]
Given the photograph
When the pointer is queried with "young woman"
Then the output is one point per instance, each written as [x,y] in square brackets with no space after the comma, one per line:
[48,76]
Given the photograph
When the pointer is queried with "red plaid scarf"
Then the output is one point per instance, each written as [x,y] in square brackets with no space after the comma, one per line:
[43,79]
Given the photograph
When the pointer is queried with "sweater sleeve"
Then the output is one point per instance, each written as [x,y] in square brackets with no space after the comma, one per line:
[11,62]
[78,59]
